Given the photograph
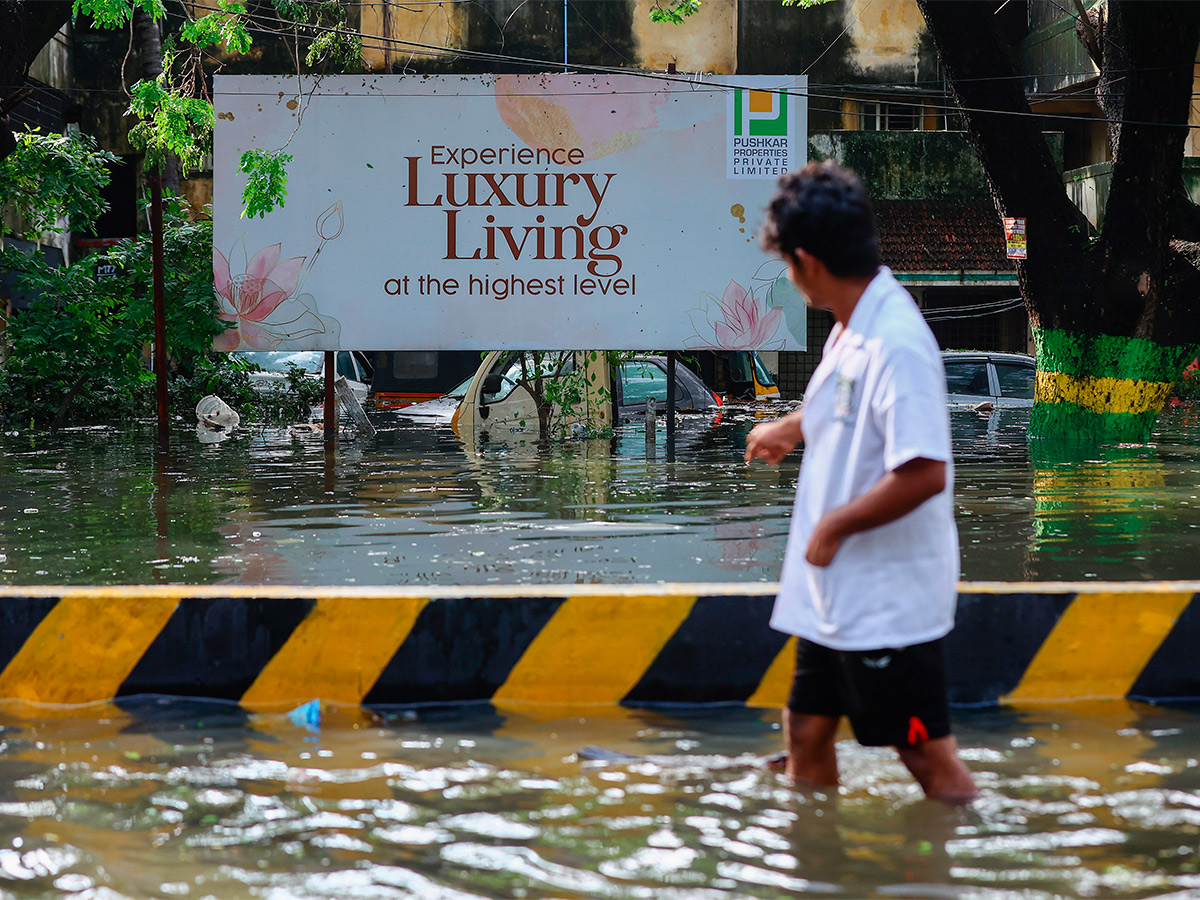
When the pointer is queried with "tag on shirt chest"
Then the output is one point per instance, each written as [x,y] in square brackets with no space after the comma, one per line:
[847,385]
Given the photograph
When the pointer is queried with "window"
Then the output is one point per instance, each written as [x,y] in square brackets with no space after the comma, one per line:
[345,366]
[876,116]
[510,369]
[967,377]
[415,364]
[1016,381]
[642,380]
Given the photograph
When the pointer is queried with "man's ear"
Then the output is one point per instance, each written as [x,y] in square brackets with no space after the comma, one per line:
[804,259]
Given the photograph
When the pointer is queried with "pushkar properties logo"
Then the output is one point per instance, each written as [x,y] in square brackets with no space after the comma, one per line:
[759,113]
[761,132]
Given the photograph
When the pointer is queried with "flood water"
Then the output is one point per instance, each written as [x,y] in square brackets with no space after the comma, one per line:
[413,506]
[188,799]
[155,797]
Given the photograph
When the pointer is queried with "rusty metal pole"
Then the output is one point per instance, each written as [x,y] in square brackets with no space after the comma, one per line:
[160,310]
[670,406]
[331,418]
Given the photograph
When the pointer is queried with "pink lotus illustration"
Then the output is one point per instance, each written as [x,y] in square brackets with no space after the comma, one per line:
[249,298]
[741,322]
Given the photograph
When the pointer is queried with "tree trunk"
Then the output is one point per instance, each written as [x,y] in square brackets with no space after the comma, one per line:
[1115,319]
[148,40]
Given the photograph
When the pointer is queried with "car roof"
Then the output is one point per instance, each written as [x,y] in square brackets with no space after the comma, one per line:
[988,354]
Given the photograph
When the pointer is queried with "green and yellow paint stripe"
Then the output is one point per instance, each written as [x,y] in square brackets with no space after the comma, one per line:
[543,646]
[1102,385]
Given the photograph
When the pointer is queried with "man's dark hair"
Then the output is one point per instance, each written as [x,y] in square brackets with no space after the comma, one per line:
[824,209]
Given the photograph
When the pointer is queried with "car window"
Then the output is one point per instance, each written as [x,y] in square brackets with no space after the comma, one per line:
[967,377]
[641,380]
[761,373]
[278,361]
[1016,381]
[345,366]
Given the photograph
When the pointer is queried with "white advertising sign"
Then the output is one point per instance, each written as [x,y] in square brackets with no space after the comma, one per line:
[507,212]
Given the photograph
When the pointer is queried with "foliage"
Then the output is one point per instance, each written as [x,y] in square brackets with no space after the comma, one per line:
[79,353]
[170,121]
[1188,385]
[187,279]
[174,110]
[54,176]
[226,376]
[226,27]
[115,13]
[560,383]
[74,345]
[674,11]
[293,400]
[267,183]
[80,349]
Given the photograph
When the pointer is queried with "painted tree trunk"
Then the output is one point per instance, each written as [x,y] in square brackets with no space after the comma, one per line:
[1102,389]
[1115,316]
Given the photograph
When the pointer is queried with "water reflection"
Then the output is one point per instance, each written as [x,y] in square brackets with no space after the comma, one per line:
[186,798]
[413,506]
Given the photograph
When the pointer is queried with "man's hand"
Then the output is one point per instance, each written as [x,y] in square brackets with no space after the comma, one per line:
[824,542]
[773,441]
[897,493]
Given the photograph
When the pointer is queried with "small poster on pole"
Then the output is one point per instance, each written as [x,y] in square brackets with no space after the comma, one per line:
[1014,238]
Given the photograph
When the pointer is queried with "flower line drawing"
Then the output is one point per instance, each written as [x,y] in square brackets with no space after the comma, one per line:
[737,320]
[263,302]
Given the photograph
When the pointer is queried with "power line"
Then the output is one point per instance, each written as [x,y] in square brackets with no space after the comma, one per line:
[484,56]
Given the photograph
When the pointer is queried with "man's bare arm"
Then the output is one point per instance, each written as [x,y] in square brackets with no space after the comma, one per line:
[898,492]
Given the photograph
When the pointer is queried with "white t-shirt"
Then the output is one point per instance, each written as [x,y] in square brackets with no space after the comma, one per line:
[876,401]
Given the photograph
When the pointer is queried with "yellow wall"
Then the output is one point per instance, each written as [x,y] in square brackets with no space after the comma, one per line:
[707,42]
[432,25]
[884,32]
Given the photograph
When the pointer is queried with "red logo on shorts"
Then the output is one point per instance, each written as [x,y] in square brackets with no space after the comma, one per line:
[917,731]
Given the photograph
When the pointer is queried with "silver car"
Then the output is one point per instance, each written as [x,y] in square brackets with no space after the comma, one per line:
[273,366]
[979,376]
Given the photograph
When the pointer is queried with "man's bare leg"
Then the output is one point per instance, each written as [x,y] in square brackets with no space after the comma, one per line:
[939,771]
[812,752]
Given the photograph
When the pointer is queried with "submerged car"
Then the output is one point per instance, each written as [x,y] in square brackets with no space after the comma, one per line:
[439,409]
[402,378]
[1002,379]
[499,400]
[273,367]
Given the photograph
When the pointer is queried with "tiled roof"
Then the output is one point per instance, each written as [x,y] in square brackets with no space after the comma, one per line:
[941,236]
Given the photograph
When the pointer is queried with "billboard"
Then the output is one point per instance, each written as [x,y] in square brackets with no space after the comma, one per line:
[507,212]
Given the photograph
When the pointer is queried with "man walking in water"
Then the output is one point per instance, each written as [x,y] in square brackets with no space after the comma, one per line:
[869,580]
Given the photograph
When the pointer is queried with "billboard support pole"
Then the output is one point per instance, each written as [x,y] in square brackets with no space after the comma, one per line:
[670,406]
[160,310]
[330,420]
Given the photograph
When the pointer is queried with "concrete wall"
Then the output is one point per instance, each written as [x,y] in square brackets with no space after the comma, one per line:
[580,644]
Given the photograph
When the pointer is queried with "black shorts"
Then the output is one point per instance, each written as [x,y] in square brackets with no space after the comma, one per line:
[893,697]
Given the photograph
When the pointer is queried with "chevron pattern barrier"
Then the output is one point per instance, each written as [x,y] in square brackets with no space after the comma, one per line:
[652,644]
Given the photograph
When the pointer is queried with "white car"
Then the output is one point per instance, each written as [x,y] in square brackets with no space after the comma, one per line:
[983,376]
[273,366]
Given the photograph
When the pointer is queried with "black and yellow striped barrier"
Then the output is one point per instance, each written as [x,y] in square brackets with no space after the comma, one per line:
[271,647]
